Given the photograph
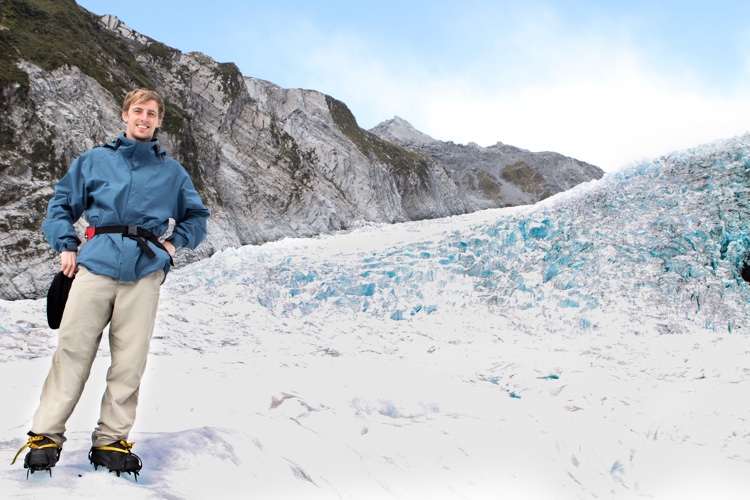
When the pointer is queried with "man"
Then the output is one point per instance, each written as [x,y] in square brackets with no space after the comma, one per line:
[128,191]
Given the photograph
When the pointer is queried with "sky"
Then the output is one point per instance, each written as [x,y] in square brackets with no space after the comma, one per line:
[604,82]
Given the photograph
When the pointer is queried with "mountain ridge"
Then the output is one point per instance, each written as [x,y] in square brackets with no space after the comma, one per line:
[498,175]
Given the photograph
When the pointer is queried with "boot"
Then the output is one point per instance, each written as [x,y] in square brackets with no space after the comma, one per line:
[43,454]
[116,457]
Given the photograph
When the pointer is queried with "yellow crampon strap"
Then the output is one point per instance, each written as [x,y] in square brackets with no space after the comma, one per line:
[126,447]
[32,444]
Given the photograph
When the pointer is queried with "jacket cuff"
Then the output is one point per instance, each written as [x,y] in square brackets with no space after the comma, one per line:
[70,246]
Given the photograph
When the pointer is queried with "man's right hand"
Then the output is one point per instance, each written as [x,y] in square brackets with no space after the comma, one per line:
[68,263]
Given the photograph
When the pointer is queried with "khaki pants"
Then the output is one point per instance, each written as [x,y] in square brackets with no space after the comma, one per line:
[94,301]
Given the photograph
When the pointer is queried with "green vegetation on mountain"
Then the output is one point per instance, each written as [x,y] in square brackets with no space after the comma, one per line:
[53,33]
[404,162]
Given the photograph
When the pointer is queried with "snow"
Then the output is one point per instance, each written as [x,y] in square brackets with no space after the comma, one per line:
[594,345]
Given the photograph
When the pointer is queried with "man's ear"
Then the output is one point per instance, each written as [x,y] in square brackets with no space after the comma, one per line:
[125,117]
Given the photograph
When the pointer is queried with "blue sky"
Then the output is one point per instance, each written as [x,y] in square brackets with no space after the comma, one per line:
[606,82]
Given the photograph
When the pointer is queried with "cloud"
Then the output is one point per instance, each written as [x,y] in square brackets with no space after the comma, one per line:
[593,92]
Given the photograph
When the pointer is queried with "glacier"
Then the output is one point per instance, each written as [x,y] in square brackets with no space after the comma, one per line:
[593,345]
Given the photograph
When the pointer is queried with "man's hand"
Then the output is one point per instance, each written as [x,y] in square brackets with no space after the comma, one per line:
[68,263]
[170,247]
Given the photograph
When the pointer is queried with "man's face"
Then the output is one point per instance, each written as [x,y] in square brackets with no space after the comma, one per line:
[141,120]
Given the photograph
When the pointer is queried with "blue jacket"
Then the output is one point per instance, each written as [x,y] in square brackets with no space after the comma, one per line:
[125,183]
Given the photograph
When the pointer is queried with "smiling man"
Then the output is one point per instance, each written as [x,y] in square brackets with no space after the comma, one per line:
[128,190]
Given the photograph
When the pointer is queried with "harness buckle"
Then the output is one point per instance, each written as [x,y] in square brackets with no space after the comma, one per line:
[134,231]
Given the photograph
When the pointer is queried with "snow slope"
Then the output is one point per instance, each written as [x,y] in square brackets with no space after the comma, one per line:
[594,345]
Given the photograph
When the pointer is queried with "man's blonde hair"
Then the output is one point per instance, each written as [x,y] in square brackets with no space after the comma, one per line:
[139,96]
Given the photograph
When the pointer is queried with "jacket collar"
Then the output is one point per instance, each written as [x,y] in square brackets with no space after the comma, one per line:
[124,142]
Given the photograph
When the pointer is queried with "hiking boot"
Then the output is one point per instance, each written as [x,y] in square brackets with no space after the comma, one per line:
[116,457]
[43,454]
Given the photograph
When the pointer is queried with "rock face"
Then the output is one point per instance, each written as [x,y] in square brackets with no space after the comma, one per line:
[496,176]
[269,162]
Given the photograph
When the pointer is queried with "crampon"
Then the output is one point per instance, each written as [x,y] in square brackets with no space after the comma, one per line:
[43,455]
[117,458]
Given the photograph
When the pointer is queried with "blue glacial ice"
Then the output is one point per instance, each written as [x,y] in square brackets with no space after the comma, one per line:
[670,233]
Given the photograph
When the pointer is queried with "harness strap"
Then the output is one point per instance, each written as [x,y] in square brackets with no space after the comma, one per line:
[139,234]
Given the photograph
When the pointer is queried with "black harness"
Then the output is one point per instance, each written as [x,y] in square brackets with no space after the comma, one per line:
[137,233]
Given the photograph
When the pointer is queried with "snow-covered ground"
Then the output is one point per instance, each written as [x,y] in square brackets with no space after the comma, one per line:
[596,345]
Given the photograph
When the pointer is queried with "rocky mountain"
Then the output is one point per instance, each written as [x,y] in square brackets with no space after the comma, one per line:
[496,176]
[269,162]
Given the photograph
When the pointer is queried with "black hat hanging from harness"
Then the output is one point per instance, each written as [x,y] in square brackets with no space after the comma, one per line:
[57,296]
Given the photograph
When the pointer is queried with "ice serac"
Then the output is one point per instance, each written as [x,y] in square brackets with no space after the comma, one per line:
[269,162]
[498,175]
